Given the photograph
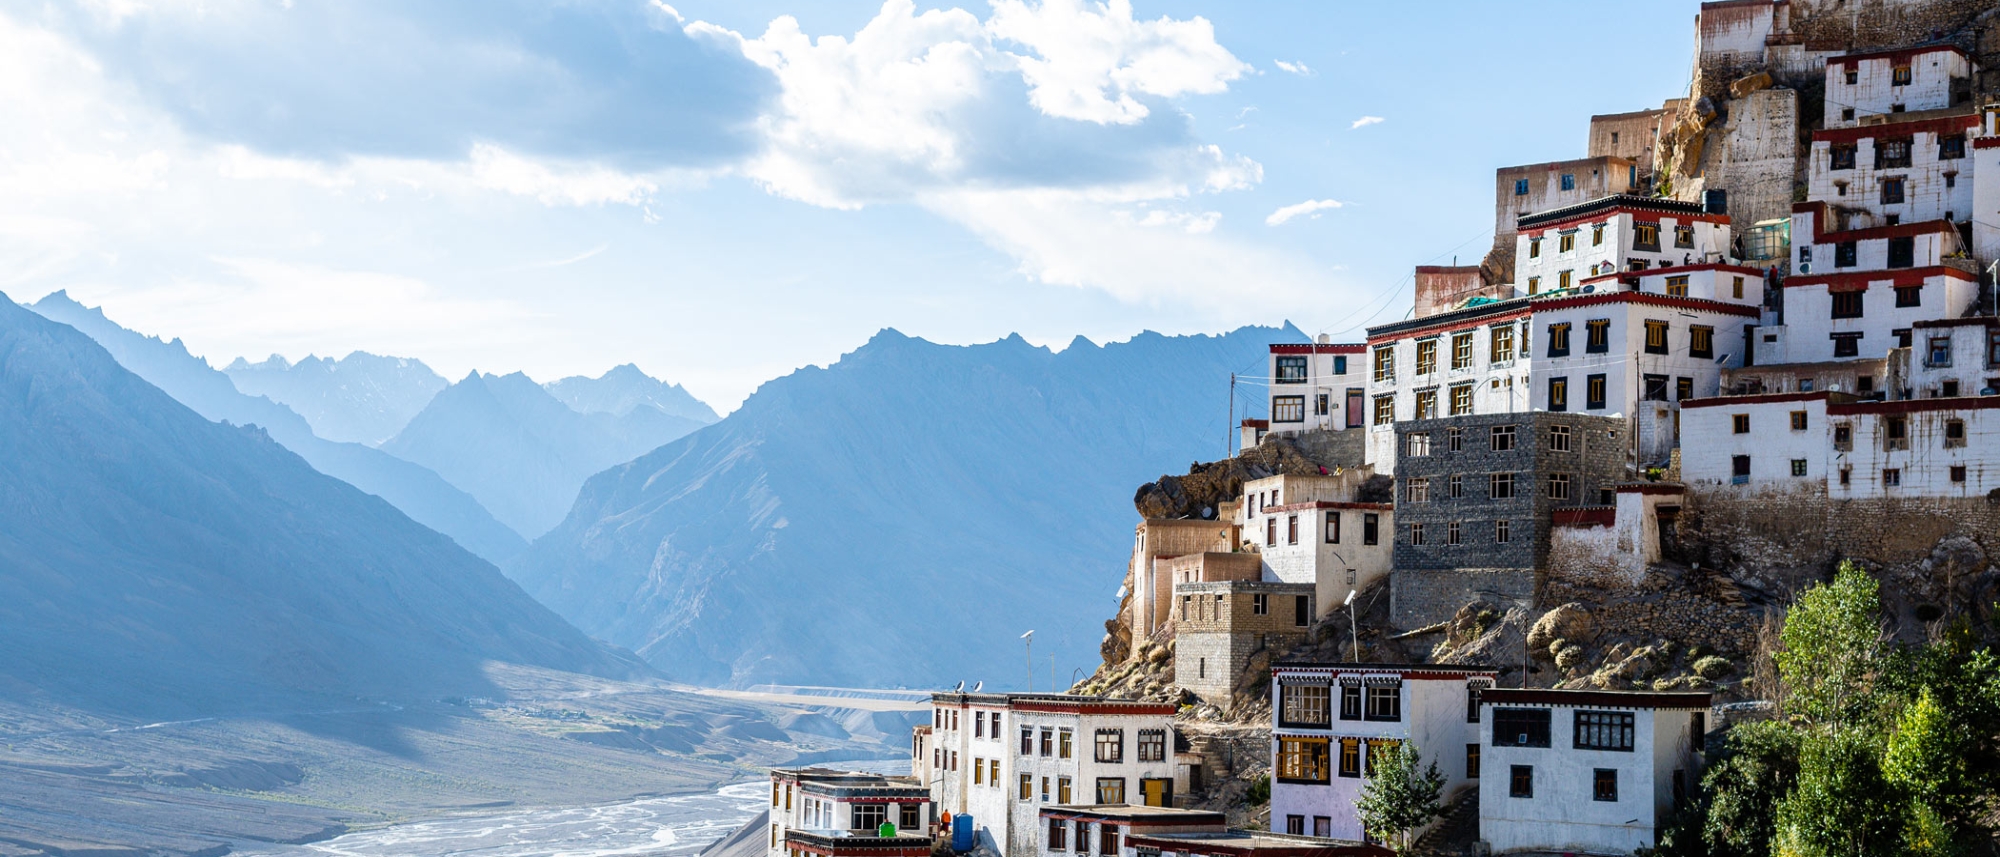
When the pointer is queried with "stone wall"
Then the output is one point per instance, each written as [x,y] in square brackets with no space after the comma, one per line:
[1218,632]
[1778,528]
[1427,597]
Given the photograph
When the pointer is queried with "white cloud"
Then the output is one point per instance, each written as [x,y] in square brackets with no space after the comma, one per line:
[1297,68]
[1089,61]
[1310,209]
[1366,121]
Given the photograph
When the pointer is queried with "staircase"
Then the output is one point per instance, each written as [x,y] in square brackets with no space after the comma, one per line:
[1456,830]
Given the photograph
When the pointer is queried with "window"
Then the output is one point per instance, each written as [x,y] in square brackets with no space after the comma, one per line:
[912,817]
[1596,234]
[1064,794]
[1604,730]
[1950,149]
[869,816]
[1152,745]
[1385,363]
[1902,252]
[1270,532]
[1110,790]
[1385,409]
[1107,834]
[1027,742]
[1333,528]
[1604,785]
[1892,193]
[1843,437]
[1111,745]
[1565,242]
[1350,757]
[1739,469]
[1896,433]
[1291,370]
[1521,781]
[1534,285]
[1909,296]
[1890,154]
[1684,236]
[1350,701]
[1954,435]
[1520,727]
[1064,748]
[1958,473]
[1321,404]
[1259,604]
[993,772]
[1417,490]
[1535,248]
[1427,404]
[1558,394]
[1847,304]
[1305,705]
[1559,486]
[1654,387]
[1569,181]
[1563,279]
[1843,157]
[1739,288]
[1385,701]
[1301,610]
[1451,534]
[1683,389]
[1500,438]
[1417,444]
[1461,399]
[1417,534]
[1892,477]
[1798,467]
[1295,825]
[1461,351]
[1456,487]
[1798,421]
[1597,336]
[1370,528]
[1594,392]
[1291,529]
[1288,409]
[1058,834]
[1899,76]
[1472,762]
[1559,340]
[1455,439]
[978,771]
[1048,742]
[1500,486]
[1701,341]
[1646,236]
[1846,344]
[1503,343]
[1427,356]
[1322,826]
[1304,760]
[1027,787]
[1845,254]
[1559,438]
[1501,532]
[1677,286]
[1520,187]
[1992,350]
[1656,337]
[1739,423]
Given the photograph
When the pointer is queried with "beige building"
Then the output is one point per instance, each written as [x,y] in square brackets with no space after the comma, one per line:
[1219,627]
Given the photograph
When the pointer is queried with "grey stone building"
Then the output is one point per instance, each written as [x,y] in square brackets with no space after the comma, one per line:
[1474,497]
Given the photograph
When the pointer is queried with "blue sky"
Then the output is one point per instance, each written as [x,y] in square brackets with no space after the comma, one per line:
[724,190]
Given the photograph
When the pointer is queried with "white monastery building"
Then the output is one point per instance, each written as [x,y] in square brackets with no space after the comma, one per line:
[1317,386]
[1585,771]
[827,813]
[1329,720]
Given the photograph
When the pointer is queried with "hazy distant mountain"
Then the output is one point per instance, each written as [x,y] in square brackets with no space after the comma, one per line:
[508,442]
[898,518]
[624,388]
[360,398]
[419,493]
[154,561]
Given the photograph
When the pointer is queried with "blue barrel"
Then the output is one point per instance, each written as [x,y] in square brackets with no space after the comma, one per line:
[961,833]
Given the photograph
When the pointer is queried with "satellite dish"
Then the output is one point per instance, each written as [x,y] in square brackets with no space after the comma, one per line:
[1805,267]
[1589,289]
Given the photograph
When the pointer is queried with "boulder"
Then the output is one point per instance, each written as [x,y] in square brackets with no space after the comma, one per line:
[1570,622]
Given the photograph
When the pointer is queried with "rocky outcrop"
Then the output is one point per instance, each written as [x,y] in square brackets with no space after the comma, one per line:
[1201,491]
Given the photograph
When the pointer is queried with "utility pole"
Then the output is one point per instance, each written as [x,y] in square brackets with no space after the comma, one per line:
[1030,637]
[1228,431]
[1353,624]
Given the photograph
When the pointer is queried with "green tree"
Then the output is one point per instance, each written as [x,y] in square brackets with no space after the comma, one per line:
[1731,813]
[1842,805]
[1400,795]
[1831,639]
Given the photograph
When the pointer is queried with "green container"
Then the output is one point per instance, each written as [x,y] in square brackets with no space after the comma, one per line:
[887,830]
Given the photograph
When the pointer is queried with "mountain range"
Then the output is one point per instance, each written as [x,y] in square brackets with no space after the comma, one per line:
[624,389]
[417,491]
[898,518]
[159,562]
[360,398]
[522,452]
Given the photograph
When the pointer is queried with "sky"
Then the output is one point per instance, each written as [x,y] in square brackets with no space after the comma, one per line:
[722,191]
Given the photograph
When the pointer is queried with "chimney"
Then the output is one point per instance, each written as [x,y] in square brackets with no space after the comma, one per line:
[1326,339]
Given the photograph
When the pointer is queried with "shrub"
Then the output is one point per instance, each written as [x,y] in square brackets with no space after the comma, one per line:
[1569,658]
[1713,667]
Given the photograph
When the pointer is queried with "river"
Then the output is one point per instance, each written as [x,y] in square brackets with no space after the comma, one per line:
[678,826]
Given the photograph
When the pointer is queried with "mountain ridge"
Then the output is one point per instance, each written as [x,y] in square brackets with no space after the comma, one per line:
[361,398]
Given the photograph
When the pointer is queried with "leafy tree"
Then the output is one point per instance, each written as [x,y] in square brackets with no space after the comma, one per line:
[1842,805]
[1730,815]
[1831,639]
[1400,796]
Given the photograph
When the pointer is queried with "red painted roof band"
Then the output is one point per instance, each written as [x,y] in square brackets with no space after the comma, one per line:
[1863,280]
[1309,348]
[1941,126]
